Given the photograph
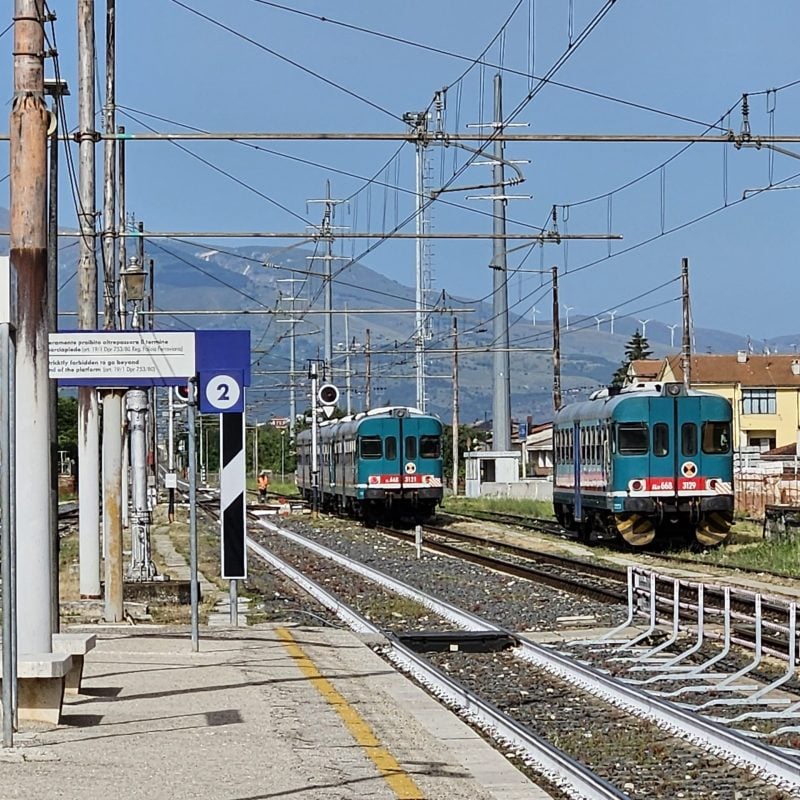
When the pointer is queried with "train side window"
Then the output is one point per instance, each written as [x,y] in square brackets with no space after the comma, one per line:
[429,447]
[370,447]
[716,437]
[391,448]
[688,439]
[632,438]
[411,448]
[660,439]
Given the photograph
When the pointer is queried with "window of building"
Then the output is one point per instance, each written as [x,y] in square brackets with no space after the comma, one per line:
[758,401]
[632,438]
[761,442]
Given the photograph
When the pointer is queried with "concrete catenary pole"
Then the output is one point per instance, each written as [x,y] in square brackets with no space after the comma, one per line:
[312,374]
[347,376]
[501,410]
[368,370]
[686,348]
[88,412]
[112,400]
[455,406]
[327,230]
[57,89]
[141,566]
[556,346]
[28,257]
[419,337]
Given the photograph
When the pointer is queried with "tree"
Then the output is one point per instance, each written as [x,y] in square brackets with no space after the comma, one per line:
[67,425]
[637,349]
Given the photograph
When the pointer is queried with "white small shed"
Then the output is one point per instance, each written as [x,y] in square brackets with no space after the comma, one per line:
[490,466]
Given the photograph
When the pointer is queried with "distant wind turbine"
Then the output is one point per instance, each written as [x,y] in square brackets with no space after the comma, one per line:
[672,333]
[567,309]
[613,314]
[643,323]
[599,320]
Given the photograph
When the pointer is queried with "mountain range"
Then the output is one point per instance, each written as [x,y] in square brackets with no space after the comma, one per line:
[246,286]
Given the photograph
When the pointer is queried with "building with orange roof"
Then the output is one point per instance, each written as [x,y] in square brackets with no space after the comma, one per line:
[764,391]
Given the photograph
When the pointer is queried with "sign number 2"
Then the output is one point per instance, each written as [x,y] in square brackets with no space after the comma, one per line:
[223,392]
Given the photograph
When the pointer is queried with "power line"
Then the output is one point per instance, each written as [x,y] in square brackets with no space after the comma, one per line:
[288,60]
[462,57]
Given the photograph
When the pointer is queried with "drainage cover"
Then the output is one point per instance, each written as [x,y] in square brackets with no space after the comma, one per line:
[467,641]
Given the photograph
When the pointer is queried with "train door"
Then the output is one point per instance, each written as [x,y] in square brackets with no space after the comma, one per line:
[687,436]
[392,448]
[664,446]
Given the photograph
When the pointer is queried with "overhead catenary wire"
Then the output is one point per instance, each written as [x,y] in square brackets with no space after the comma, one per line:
[530,74]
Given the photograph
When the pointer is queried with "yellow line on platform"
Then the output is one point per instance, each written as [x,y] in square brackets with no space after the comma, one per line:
[399,781]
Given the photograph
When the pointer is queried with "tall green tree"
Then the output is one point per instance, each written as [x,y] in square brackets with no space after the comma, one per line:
[636,349]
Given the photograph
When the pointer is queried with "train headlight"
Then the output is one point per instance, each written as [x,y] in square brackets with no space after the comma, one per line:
[674,389]
[712,483]
[636,485]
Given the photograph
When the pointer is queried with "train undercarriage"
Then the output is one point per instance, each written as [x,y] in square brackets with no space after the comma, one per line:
[694,521]
[389,508]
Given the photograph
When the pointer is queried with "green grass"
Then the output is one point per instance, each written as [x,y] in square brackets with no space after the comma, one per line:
[500,505]
[773,555]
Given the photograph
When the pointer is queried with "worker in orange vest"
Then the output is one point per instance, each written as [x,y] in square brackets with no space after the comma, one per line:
[263,485]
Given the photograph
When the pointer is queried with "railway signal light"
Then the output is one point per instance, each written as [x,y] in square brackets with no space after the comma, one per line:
[328,397]
[181,394]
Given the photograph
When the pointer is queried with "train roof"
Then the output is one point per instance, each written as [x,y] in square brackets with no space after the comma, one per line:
[603,403]
[383,411]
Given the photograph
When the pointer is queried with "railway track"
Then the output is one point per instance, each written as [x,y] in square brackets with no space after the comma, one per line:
[511,683]
[560,572]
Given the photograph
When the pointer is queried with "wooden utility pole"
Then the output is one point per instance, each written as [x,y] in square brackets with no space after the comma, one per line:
[368,386]
[28,258]
[455,406]
[556,345]
[686,348]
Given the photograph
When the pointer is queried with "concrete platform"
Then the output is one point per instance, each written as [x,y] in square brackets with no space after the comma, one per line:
[264,712]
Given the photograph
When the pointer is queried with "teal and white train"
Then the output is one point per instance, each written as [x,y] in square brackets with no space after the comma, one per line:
[384,464]
[645,463]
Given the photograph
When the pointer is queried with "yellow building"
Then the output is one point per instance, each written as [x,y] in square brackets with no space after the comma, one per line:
[764,391]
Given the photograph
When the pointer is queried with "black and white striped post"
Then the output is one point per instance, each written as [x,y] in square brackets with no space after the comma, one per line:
[233,556]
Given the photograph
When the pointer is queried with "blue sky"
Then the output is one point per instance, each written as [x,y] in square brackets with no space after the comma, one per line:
[687,58]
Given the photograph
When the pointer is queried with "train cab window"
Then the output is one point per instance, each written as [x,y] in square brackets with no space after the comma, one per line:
[370,447]
[688,439]
[660,439]
[391,448]
[632,438]
[716,437]
[411,448]
[429,447]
